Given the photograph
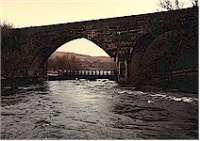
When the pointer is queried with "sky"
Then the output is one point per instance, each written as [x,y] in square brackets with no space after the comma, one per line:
[82,46]
[23,13]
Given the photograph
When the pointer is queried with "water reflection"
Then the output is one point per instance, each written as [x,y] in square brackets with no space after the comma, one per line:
[96,110]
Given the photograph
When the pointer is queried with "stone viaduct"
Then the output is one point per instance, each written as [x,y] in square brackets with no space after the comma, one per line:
[145,47]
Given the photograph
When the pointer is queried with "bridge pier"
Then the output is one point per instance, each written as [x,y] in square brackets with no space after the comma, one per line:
[123,65]
[123,71]
[126,70]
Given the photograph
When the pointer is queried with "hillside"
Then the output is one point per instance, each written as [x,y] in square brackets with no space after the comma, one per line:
[88,62]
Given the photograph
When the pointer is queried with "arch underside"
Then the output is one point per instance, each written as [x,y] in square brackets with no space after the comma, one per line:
[40,58]
[169,52]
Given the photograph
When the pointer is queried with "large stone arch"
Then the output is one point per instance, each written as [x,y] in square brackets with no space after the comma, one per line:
[137,53]
[167,52]
[40,57]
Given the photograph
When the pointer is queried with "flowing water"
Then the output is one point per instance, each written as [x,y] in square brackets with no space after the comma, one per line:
[96,110]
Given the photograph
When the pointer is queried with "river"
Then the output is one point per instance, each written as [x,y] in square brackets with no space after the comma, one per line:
[81,109]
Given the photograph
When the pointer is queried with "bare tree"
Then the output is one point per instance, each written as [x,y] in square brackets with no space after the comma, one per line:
[194,3]
[166,4]
[178,5]
[170,4]
[62,63]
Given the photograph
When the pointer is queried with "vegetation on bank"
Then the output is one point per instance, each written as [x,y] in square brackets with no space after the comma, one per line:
[63,63]
[9,49]
[6,35]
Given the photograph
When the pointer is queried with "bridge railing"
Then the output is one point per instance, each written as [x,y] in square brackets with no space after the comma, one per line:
[83,74]
[88,72]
